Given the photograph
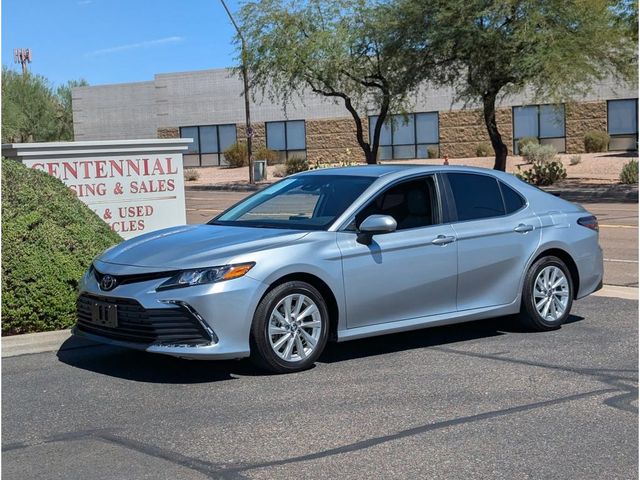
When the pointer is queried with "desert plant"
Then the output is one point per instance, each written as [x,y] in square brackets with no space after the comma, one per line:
[280,171]
[524,141]
[629,173]
[271,156]
[484,150]
[543,173]
[236,155]
[575,159]
[191,174]
[295,164]
[49,240]
[433,152]
[596,141]
[534,152]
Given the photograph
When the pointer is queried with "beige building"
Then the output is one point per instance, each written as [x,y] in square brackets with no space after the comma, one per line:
[208,107]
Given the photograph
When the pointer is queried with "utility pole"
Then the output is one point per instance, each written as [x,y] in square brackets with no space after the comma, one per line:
[246,93]
[22,56]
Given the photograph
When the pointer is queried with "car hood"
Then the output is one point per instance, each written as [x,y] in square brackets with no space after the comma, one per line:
[195,246]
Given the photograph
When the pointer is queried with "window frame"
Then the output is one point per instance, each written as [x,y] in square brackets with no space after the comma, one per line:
[200,153]
[451,201]
[623,135]
[349,224]
[415,143]
[286,140]
[537,106]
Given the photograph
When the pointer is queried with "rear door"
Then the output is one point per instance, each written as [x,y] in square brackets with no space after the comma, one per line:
[497,233]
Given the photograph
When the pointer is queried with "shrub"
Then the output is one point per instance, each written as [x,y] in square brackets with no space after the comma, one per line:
[596,141]
[526,141]
[191,174]
[236,155]
[433,152]
[629,173]
[271,156]
[295,164]
[49,240]
[543,173]
[280,171]
[575,159]
[484,150]
[534,152]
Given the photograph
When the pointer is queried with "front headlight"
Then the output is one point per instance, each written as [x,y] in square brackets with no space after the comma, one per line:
[200,276]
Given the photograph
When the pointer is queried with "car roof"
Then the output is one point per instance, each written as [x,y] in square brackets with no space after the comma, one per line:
[378,171]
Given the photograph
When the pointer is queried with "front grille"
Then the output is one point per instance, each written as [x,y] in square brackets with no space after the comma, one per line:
[167,326]
[134,278]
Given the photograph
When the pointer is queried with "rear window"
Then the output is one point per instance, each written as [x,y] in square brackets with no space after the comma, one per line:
[476,196]
[513,201]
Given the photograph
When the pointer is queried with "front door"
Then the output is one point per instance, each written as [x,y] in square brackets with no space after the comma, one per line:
[405,274]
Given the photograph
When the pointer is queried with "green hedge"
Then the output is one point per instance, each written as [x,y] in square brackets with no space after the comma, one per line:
[49,238]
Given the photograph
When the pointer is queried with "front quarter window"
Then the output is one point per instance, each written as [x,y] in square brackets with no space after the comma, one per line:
[307,202]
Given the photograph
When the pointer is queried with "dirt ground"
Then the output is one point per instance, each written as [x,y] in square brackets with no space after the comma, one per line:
[593,168]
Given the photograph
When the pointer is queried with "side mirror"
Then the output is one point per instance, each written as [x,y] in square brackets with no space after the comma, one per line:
[375,225]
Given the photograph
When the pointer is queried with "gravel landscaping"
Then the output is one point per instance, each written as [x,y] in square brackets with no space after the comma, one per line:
[593,168]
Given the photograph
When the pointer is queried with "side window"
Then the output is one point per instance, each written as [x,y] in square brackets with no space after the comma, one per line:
[512,199]
[412,204]
[476,196]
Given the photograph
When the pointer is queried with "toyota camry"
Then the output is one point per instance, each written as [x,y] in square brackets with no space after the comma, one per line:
[344,253]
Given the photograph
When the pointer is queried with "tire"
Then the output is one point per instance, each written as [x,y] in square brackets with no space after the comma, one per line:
[284,343]
[536,295]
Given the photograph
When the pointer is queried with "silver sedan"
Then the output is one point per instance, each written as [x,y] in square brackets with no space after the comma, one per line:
[340,254]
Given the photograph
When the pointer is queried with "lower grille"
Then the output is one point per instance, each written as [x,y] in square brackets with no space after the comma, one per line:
[166,326]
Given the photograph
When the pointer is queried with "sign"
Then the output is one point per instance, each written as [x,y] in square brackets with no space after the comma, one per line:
[133,193]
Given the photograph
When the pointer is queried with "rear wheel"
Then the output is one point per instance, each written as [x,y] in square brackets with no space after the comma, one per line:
[290,328]
[547,295]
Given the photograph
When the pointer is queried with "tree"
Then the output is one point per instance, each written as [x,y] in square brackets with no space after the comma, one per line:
[489,48]
[32,111]
[64,108]
[334,48]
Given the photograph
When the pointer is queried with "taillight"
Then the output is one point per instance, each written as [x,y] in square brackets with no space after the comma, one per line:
[590,222]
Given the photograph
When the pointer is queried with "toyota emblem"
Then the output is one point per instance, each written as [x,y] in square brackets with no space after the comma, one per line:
[108,282]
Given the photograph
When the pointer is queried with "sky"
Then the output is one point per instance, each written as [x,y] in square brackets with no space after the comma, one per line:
[115,41]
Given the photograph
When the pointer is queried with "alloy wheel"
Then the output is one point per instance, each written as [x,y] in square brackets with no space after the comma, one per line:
[295,326]
[551,293]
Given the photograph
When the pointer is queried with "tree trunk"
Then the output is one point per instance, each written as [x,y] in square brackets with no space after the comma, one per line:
[500,149]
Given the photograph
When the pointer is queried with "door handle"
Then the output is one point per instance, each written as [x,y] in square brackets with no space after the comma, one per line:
[443,240]
[522,228]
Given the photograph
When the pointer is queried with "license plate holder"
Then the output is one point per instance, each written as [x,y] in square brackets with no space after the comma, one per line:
[104,314]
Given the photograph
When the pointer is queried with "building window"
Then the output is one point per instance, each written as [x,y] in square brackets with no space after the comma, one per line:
[288,138]
[622,124]
[410,136]
[209,144]
[544,122]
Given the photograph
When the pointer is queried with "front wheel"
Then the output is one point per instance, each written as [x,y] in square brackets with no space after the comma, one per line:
[547,295]
[290,328]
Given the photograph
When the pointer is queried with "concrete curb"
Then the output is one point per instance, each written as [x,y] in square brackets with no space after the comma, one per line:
[30,343]
[596,193]
[625,293]
[582,193]
[39,343]
[225,187]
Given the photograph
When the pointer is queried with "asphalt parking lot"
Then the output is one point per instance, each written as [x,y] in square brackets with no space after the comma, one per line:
[477,400]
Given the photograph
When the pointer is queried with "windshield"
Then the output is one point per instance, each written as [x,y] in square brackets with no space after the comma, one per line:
[308,202]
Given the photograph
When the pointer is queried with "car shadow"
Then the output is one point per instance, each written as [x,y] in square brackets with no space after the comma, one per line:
[141,366]
[427,337]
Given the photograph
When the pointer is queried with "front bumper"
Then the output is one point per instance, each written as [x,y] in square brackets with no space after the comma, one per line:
[226,310]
